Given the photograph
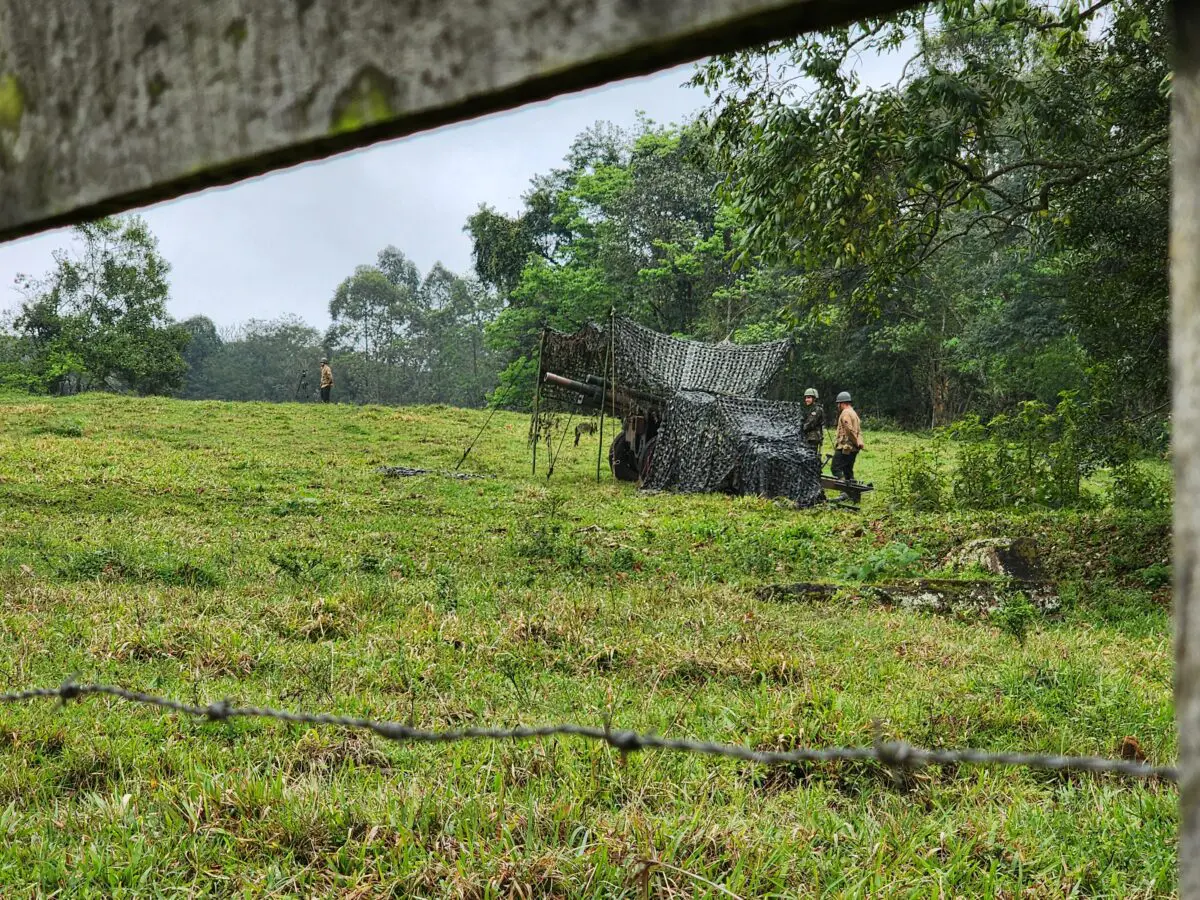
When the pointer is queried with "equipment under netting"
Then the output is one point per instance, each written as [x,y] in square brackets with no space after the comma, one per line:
[694,416]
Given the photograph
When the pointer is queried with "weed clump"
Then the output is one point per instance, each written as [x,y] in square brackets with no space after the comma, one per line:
[892,560]
[1015,616]
[547,537]
[118,564]
[917,482]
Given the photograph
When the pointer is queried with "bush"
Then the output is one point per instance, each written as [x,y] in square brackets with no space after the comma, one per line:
[894,559]
[917,482]
[1015,616]
[1133,487]
[1040,455]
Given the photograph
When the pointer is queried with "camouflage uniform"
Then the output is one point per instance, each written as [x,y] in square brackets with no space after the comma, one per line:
[813,425]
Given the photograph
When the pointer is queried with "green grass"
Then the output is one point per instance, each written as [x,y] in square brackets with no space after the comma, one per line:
[210,550]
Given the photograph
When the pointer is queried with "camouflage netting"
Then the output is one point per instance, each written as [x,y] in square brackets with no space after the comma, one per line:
[575,356]
[735,446]
[664,365]
[718,431]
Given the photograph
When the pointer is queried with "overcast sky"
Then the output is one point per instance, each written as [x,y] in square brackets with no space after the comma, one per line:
[282,243]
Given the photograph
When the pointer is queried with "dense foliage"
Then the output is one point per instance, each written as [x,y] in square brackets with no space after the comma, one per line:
[989,229]
[992,223]
[98,319]
[401,338]
[986,228]
[396,337]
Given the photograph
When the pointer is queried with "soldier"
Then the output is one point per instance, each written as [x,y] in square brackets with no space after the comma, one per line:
[846,443]
[814,421]
[326,380]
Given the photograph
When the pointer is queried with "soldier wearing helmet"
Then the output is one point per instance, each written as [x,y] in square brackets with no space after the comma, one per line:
[847,441]
[813,422]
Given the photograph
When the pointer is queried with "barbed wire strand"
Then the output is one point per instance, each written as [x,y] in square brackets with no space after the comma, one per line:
[894,755]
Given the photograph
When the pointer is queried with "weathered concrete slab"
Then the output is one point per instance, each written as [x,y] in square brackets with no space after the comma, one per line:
[108,104]
[936,595]
[1185,411]
[1014,557]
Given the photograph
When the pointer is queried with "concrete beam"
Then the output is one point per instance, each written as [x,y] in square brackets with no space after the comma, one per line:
[111,104]
[1185,371]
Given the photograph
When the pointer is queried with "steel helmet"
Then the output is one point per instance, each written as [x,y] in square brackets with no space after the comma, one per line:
[812,392]
[844,397]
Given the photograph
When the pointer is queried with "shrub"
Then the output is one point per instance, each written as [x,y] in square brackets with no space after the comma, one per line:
[1133,487]
[917,482]
[1015,616]
[894,559]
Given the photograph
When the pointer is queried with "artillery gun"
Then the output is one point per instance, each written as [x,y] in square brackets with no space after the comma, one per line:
[850,489]
[631,454]
[695,416]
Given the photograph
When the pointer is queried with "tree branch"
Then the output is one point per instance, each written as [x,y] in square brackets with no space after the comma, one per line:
[1039,162]
[1083,17]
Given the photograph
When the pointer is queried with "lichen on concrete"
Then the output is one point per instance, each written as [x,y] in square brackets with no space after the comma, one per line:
[1013,557]
[156,86]
[936,595]
[237,32]
[12,104]
[370,98]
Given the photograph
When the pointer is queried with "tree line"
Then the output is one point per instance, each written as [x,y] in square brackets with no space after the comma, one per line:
[98,321]
[988,230]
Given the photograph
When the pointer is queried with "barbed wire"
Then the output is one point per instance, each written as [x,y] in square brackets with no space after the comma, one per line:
[893,755]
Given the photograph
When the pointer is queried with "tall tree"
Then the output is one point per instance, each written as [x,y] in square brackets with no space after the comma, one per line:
[404,338]
[1040,126]
[261,360]
[98,319]
[630,221]
[204,343]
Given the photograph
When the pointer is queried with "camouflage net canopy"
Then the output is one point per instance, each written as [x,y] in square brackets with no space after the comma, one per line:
[714,430]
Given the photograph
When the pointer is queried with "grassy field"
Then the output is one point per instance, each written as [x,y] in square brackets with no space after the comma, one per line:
[209,550]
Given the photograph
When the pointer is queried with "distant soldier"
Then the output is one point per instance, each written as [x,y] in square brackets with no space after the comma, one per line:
[847,441]
[814,421]
[326,380]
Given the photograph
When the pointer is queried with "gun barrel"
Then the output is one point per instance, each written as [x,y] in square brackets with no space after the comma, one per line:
[643,396]
[577,387]
[594,395]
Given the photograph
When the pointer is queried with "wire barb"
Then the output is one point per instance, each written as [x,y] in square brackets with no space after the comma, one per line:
[897,756]
[69,690]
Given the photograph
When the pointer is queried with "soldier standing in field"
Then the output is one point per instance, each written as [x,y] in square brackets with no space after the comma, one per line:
[813,424]
[326,380]
[846,443]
